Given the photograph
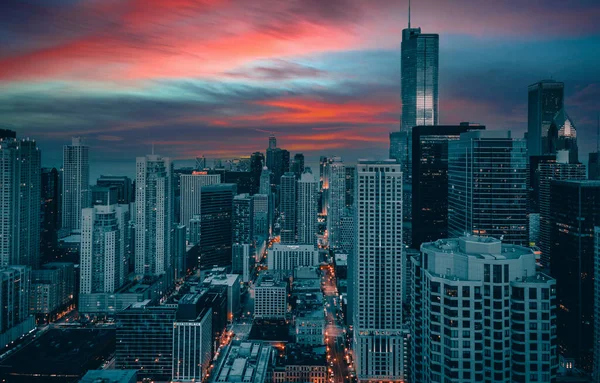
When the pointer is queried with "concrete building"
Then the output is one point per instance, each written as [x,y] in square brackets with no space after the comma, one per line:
[243,219]
[308,200]
[287,257]
[154,215]
[247,362]
[243,261]
[377,273]
[233,283]
[481,313]
[310,327]
[104,265]
[52,289]
[300,363]
[270,297]
[125,195]
[261,216]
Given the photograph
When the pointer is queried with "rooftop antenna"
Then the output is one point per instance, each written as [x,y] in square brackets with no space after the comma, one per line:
[408,14]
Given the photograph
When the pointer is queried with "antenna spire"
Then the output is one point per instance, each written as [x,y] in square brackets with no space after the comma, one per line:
[408,14]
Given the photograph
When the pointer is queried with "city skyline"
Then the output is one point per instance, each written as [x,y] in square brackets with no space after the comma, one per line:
[307,91]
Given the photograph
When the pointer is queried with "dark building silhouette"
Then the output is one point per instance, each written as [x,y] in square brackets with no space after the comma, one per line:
[545,99]
[257,161]
[50,218]
[350,171]
[430,179]
[216,225]
[278,161]
[574,211]
[122,184]
[297,166]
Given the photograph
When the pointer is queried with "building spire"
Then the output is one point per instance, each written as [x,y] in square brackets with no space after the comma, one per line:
[408,14]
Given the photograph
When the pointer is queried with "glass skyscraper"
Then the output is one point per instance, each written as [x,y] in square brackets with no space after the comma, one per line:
[487,186]
[545,99]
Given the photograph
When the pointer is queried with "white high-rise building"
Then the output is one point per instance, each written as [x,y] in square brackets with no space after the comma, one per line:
[377,273]
[308,200]
[20,177]
[103,242]
[261,215]
[287,257]
[287,207]
[192,348]
[190,197]
[75,183]
[336,199]
[154,218]
[481,313]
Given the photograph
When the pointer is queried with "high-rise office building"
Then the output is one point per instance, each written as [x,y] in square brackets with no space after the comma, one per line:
[242,261]
[243,219]
[15,321]
[20,195]
[192,347]
[287,207]
[562,135]
[574,212]
[430,179]
[50,218]
[545,99]
[261,215]
[308,195]
[123,185]
[560,169]
[76,183]
[487,186]
[278,160]
[216,225]
[103,195]
[145,340]
[481,313]
[378,272]
[257,161]
[265,189]
[336,199]
[154,215]
[297,166]
[52,290]
[180,264]
[104,266]
[191,190]
[594,165]
[350,172]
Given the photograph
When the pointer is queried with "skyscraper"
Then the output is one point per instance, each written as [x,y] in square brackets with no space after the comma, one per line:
[104,232]
[191,190]
[265,189]
[15,284]
[430,176]
[287,208]
[507,310]
[336,199]
[574,213]
[123,185]
[50,218]
[278,160]
[20,195]
[308,195]
[487,186]
[350,172]
[560,169]
[243,219]
[562,135]
[261,215]
[545,99]
[154,215]
[596,366]
[76,183]
[257,161]
[216,225]
[298,165]
[378,272]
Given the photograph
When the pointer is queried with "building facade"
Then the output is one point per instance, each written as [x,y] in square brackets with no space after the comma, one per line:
[378,273]
[191,189]
[287,207]
[270,299]
[154,215]
[216,225]
[308,200]
[482,313]
[545,99]
[487,186]
[286,258]
[336,199]
[75,183]
[192,348]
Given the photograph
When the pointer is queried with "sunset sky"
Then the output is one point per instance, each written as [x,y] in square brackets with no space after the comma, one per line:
[214,77]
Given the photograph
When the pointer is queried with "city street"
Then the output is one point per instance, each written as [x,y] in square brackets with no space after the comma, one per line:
[334,330]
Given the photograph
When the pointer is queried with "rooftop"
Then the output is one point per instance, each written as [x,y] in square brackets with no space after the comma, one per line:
[476,246]
[109,376]
[222,279]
